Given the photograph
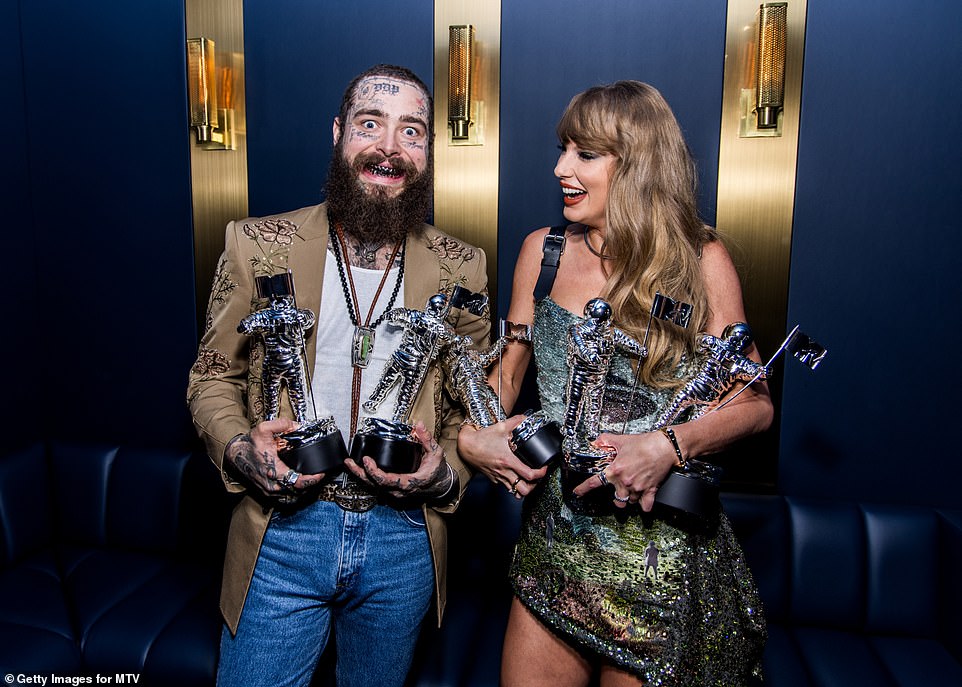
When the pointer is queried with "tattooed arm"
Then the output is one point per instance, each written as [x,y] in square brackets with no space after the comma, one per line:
[253,458]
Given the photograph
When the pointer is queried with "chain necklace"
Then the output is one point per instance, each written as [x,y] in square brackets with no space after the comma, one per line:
[363,344]
[600,253]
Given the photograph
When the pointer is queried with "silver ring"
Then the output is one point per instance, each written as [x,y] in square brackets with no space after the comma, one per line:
[289,480]
[513,489]
[603,478]
[622,499]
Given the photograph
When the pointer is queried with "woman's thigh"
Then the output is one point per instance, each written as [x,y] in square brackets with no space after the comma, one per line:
[534,656]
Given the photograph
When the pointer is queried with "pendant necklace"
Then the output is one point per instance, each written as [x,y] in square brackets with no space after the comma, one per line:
[362,346]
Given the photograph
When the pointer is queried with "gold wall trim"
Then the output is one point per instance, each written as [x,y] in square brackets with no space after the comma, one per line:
[756,176]
[218,178]
[466,176]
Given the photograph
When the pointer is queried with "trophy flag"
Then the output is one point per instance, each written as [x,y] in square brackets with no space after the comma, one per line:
[802,347]
[466,299]
[805,348]
[665,308]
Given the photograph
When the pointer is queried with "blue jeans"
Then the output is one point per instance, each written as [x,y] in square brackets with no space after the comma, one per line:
[369,575]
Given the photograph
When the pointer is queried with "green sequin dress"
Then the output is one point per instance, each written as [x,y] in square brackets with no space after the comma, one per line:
[672,607]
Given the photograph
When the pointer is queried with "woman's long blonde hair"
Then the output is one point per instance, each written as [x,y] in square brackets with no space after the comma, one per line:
[654,234]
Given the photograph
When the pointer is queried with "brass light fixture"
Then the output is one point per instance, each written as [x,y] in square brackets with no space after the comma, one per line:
[770,63]
[762,53]
[210,96]
[460,58]
[466,170]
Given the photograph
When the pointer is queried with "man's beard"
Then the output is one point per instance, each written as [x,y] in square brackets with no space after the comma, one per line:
[372,216]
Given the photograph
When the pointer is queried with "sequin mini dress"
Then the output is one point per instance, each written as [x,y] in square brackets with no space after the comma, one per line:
[672,607]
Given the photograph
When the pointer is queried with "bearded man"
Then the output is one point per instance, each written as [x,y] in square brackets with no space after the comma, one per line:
[361,552]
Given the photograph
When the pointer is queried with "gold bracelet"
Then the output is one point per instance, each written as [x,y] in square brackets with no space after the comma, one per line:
[670,433]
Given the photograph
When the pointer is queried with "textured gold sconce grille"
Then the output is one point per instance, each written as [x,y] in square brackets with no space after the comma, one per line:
[201,78]
[460,56]
[770,64]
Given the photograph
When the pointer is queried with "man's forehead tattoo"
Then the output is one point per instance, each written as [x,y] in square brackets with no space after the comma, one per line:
[371,90]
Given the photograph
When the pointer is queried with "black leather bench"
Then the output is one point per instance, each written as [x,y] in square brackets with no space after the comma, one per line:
[110,563]
[855,593]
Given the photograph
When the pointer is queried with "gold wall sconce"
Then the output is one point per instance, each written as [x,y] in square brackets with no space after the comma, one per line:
[764,98]
[464,113]
[211,95]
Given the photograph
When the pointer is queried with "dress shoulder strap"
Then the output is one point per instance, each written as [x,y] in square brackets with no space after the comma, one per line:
[552,249]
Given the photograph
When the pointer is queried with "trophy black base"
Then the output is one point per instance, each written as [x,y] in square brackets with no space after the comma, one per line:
[391,454]
[688,499]
[599,501]
[536,441]
[311,450]
[538,448]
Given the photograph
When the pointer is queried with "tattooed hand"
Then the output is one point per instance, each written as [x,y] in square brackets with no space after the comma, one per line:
[433,480]
[254,457]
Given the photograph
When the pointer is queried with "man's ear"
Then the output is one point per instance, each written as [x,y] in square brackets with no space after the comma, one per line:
[336,130]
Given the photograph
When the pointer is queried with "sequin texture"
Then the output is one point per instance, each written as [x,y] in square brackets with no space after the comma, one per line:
[674,608]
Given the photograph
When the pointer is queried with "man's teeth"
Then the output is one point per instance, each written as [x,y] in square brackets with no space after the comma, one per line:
[383,171]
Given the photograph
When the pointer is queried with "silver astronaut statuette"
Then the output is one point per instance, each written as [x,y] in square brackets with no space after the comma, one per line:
[316,445]
[426,334]
[537,440]
[689,494]
[591,345]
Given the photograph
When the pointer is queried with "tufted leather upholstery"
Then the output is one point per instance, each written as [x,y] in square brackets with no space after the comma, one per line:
[856,594]
[110,561]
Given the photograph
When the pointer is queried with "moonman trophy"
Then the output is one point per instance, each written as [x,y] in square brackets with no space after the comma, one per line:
[592,343]
[389,441]
[316,445]
[537,440]
[689,495]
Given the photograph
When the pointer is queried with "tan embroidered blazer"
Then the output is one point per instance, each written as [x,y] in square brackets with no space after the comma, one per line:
[224,385]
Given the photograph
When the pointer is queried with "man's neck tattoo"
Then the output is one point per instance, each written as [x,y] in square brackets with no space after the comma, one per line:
[365,255]
[371,256]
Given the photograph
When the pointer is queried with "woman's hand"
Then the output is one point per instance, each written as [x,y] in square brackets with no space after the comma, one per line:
[487,450]
[641,464]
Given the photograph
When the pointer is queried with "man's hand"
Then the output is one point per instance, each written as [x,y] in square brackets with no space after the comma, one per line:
[434,478]
[254,456]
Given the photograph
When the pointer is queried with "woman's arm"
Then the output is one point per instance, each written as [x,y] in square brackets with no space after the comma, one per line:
[752,411]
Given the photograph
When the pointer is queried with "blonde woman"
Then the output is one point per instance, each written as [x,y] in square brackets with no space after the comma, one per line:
[584,607]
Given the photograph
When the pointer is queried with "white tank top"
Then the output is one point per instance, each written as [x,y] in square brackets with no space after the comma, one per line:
[333,372]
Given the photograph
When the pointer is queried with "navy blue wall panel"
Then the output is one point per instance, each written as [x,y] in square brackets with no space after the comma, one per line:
[553,49]
[874,264]
[109,175]
[299,57]
[875,257]
[20,331]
